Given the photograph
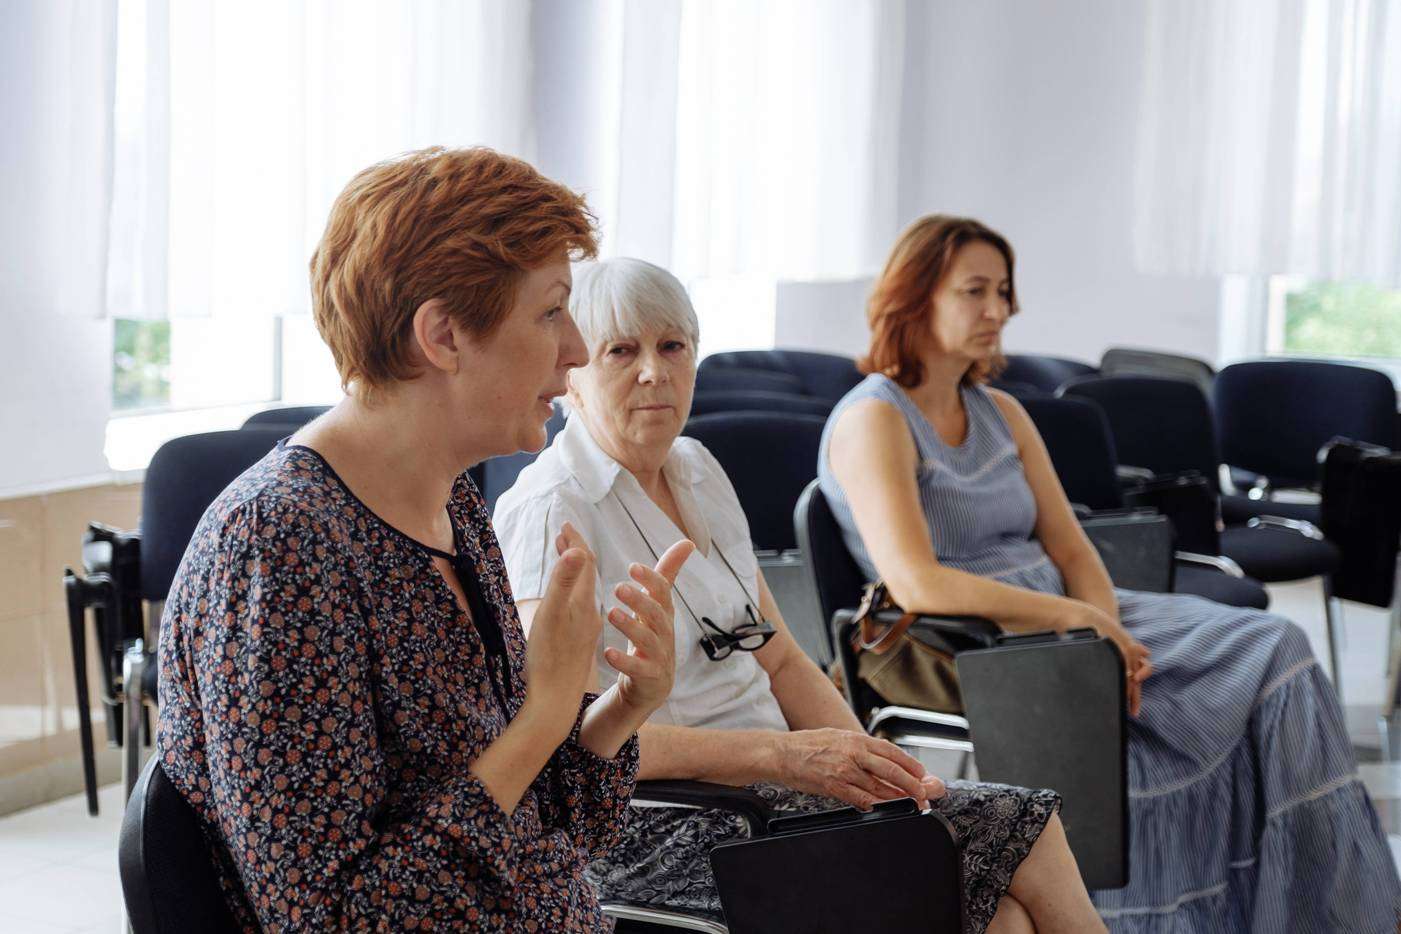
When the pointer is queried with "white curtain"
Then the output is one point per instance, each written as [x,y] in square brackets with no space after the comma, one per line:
[56,78]
[237,124]
[1270,139]
[750,139]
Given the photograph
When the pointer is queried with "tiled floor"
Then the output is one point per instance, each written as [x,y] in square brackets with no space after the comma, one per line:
[58,869]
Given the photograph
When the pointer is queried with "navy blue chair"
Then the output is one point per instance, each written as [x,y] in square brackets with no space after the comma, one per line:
[769,457]
[1165,425]
[797,372]
[709,403]
[1082,445]
[137,568]
[1062,728]
[289,416]
[496,475]
[1132,361]
[169,885]
[1041,372]
[1274,416]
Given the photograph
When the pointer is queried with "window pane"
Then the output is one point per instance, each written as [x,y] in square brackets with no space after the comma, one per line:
[221,361]
[140,364]
[1346,319]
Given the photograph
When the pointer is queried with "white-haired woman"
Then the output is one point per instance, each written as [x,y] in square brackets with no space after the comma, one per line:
[747,706]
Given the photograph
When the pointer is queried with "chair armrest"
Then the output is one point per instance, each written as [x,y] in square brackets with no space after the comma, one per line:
[748,805]
[661,918]
[1306,529]
[1217,562]
[1130,474]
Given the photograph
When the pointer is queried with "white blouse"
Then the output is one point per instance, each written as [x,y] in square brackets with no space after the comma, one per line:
[574,481]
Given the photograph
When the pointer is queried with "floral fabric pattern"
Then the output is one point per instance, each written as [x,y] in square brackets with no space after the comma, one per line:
[322,696]
[663,858]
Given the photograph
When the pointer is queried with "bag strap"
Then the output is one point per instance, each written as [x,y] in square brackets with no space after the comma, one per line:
[869,635]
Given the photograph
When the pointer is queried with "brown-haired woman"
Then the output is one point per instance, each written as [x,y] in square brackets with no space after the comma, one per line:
[347,700]
[1245,805]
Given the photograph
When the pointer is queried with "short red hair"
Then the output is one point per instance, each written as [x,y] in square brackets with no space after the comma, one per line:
[459,225]
[902,300]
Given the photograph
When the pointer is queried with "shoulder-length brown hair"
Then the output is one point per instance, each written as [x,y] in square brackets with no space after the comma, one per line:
[900,306]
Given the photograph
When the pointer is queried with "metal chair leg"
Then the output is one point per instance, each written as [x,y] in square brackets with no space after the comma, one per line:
[1335,655]
[133,667]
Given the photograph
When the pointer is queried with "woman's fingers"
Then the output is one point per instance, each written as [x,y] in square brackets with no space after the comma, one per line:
[895,754]
[892,775]
[647,609]
[669,565]
[857,797]
[634,629]
[634,666]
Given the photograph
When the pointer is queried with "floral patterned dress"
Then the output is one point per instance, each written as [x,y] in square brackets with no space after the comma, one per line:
[322,696]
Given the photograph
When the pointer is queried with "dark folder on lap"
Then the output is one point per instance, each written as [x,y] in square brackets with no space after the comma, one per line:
[891,869]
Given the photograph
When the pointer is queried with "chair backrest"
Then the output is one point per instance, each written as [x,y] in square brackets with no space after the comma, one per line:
[1164,425]
[291,416]
[498,474]
[184,477]
[835,577]
[167,874]
[1045,373]
[807,373]
[1274,416]
[1131,361]
[769,457]
[708,403]
[1081,446]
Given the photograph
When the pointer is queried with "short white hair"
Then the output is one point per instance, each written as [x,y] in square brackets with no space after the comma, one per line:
[620,298]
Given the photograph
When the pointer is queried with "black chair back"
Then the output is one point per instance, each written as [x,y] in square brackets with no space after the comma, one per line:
[498,474]
[1045,373]
[1081,446]
[1164,425]
[1130,361]
[769,457]
[168,879]
[291,417]
[184,477]
[1274,416]
[806,373]
[835,577]
[708,403]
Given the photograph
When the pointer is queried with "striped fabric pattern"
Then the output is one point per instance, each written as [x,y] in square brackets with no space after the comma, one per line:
[1246,811]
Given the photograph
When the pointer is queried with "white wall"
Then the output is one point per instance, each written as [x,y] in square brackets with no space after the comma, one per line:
[1024,116]
[55,354]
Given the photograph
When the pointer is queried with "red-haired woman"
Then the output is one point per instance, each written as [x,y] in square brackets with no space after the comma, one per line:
[1246,809]
[347,700]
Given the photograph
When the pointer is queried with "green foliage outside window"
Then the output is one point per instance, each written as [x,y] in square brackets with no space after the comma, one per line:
[141,364]
[1346,319]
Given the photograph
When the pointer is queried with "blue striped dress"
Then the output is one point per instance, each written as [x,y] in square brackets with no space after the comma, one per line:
[1246,810]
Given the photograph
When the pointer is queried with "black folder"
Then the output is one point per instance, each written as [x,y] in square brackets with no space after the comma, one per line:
[1048,711]
[837,872]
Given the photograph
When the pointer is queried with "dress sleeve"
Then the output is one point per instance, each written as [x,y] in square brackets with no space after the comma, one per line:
[585,794]
[297,778]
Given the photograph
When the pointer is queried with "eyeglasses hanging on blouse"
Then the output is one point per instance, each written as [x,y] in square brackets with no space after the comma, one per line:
[718,642]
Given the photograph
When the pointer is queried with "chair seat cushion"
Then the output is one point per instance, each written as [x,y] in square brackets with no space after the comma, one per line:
[1272,555]
[1221,588]
[1237,509]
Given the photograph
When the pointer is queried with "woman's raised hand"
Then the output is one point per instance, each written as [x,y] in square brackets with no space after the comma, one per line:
[559,654]
[852,767]
[646,670]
